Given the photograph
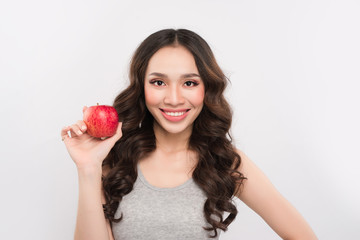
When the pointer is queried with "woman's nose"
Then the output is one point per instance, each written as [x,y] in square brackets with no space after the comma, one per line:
[174,96]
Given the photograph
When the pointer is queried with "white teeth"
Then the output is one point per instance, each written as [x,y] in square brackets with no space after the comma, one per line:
[174,114]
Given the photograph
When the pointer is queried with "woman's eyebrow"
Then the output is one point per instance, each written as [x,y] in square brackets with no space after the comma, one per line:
[189,75]
[158,75]
[186,75]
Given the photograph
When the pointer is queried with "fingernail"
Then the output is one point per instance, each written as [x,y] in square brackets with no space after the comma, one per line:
[83,127]
[79,132]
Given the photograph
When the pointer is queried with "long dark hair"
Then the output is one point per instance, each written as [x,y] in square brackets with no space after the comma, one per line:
[215,172]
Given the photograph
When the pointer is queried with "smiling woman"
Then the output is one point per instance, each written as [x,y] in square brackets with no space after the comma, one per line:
[174,90]
[184,120]
[171,170]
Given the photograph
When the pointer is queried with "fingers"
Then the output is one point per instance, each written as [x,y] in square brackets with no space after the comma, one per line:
[74,130]
[77,129]
[65,133]
[81,125]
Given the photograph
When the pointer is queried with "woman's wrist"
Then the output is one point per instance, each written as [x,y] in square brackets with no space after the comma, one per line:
[89,170]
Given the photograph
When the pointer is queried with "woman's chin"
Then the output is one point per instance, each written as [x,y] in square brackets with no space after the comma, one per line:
[176,129]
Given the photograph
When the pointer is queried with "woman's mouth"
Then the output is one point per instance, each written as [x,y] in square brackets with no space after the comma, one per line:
[174,115]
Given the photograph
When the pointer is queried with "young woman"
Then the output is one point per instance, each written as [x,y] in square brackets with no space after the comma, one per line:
[171,171]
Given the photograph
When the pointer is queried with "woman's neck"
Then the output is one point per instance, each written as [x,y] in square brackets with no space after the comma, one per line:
[170,142]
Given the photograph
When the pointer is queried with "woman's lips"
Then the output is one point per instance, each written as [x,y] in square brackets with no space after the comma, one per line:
[174,115]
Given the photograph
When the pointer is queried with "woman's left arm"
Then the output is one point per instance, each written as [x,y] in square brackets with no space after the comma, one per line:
[260,195]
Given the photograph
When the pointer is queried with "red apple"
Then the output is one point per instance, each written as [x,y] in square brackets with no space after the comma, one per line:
[101,121]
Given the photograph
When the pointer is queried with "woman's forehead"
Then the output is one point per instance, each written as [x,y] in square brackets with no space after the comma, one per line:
[172,60]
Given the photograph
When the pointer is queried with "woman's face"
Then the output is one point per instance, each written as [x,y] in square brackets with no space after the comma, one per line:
[174,91]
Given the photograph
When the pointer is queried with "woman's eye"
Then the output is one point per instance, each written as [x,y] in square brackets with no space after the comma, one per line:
[157,82]
[190,83]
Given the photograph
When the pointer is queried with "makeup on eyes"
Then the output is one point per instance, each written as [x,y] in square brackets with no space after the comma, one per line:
[159,82]
[192,82]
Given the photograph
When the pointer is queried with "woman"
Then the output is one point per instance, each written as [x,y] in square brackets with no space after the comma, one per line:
[171,171]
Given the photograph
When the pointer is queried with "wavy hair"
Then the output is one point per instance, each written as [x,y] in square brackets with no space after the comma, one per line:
[215,172]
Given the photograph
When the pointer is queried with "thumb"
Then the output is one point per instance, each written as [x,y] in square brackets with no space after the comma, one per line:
[117,135]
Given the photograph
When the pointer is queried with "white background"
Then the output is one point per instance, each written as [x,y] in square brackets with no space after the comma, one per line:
[294,68]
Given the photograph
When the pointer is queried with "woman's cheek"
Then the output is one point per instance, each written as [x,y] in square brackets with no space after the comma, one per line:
[151,96]
[198,97]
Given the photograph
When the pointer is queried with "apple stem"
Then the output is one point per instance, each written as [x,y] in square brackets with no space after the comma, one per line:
[97,104]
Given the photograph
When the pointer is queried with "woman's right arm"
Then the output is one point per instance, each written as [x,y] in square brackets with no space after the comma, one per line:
[88,154]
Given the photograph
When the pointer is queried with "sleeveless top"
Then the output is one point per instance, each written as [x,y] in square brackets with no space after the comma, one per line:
[153,213]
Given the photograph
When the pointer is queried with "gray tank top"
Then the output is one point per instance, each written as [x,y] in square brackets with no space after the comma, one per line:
[152,213]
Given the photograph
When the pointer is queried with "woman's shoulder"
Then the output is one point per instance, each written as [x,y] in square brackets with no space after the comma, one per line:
[255,183]
[244,159]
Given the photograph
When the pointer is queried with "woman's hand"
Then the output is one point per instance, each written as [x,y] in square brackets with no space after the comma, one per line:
[85,150]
